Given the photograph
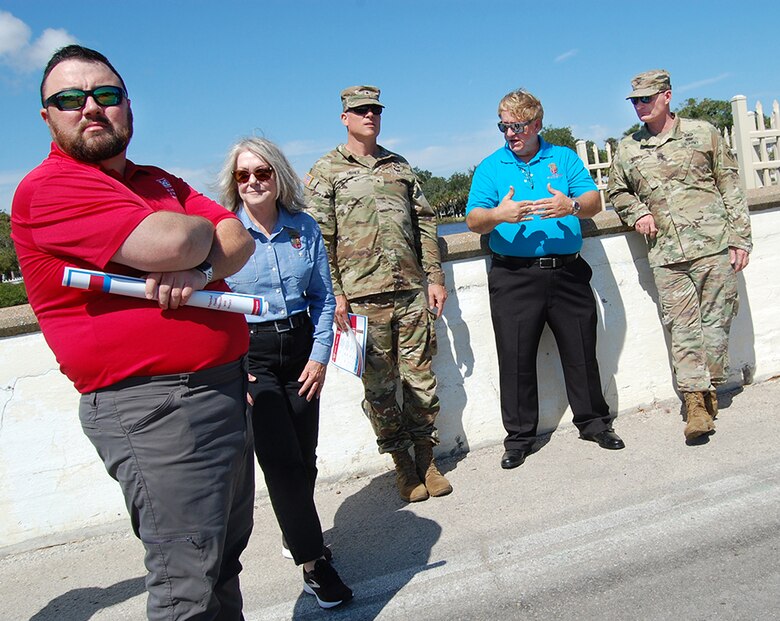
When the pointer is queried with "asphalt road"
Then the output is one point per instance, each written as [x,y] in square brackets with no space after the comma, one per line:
[657,531]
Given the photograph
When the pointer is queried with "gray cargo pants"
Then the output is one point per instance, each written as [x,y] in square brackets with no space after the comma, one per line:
[180,447]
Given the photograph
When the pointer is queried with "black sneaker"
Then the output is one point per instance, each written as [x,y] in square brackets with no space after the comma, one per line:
[324,583]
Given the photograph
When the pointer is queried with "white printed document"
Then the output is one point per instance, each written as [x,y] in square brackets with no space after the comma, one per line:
[349,348]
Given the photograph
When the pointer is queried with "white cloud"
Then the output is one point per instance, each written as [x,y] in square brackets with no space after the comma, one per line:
[40,51]
[698,84]
[22,54]
[14,33]
[566,55]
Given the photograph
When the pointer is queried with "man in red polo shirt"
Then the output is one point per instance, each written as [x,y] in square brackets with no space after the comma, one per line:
[162,384]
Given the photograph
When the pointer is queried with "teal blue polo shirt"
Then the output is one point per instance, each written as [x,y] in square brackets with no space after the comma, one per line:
[561,168]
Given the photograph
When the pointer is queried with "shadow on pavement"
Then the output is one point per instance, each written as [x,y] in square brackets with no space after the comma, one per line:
[82,604]
[378,544]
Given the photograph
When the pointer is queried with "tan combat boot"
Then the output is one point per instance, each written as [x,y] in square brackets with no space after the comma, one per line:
[434,480]
[409,485]
[699,420]
[711,403]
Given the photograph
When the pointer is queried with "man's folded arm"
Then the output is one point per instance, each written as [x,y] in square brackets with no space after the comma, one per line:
[166,241]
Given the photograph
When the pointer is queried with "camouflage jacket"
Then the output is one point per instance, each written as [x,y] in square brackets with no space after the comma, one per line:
[379,230]
[687,179]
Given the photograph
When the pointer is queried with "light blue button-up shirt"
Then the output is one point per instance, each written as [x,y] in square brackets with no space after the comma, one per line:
[290,270]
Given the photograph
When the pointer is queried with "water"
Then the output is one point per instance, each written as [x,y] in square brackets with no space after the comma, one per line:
[448,228]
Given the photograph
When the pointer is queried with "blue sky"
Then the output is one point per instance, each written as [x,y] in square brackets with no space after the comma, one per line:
[202,74]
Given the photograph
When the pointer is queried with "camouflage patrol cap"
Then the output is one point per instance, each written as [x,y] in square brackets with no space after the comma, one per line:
[361,95]
[650,83]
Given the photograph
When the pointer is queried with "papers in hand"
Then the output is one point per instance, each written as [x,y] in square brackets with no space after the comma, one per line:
[349,348]
[136,288]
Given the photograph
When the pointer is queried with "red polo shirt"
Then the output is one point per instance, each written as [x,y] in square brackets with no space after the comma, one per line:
[71,213]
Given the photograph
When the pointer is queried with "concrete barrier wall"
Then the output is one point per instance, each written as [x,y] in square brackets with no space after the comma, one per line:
[53,487]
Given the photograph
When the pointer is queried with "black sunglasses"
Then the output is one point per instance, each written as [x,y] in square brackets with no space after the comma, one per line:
[76,99]
[260,174]
[364,110]
[517,128]
[645,100]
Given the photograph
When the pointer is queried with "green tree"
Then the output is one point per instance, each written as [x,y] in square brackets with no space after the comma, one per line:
[561,136]
[634,128]
[12,294]
[715,111]
[448,197]
[8,260]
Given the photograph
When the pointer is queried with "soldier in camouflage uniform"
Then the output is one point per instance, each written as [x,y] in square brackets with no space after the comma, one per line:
[380,234]
[676,182]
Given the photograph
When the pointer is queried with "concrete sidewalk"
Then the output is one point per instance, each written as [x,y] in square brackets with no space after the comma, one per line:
[659,530]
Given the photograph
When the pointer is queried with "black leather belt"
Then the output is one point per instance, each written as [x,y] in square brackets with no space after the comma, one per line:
[551,262]
[280,325]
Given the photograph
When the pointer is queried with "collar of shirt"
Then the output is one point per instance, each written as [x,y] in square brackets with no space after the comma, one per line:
[382,154]
[647,140]
[130,167]
[56,151]
[283,221]
[544,152]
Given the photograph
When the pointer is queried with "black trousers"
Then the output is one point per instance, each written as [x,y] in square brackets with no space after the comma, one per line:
[522,300]
[286,428]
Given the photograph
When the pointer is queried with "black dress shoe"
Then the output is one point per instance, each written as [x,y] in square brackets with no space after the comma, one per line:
[606,439]
[513,458]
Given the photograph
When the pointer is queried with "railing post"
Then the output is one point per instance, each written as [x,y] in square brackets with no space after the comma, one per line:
[742,142]
[582,151]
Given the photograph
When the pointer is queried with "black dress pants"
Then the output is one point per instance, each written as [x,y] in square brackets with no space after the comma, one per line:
[522,300]
[286,427]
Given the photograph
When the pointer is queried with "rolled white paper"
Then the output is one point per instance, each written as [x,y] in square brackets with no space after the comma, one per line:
[136,288]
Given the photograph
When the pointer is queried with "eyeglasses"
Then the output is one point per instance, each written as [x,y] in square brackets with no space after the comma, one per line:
[364,110]
[645,100]
[76,99]
[517,128]
[260,174]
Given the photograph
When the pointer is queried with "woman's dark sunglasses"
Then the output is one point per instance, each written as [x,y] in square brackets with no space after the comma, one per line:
[76,99]
[260,174]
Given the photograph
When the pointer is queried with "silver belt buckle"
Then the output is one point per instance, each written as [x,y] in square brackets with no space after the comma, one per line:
[283,328]
[548,263]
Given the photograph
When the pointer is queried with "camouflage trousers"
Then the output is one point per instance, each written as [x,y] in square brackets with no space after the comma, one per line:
[400,346]
[698,301]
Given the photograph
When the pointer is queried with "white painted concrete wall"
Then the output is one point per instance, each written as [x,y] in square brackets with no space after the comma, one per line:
[53,486]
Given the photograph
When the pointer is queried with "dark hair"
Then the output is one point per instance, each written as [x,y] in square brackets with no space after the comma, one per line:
[77,52]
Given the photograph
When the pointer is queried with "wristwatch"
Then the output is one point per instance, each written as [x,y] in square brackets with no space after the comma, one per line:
[575,208]
[207,270]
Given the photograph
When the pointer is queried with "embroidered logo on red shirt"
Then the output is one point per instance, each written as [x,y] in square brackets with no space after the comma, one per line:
[167,185]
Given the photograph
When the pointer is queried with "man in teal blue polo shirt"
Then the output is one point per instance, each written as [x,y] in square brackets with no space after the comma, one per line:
[529,196]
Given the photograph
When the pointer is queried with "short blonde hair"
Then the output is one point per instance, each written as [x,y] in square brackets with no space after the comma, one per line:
[287,182]
[522,105]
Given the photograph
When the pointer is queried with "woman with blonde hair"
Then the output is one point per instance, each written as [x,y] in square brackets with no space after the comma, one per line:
[289,346]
